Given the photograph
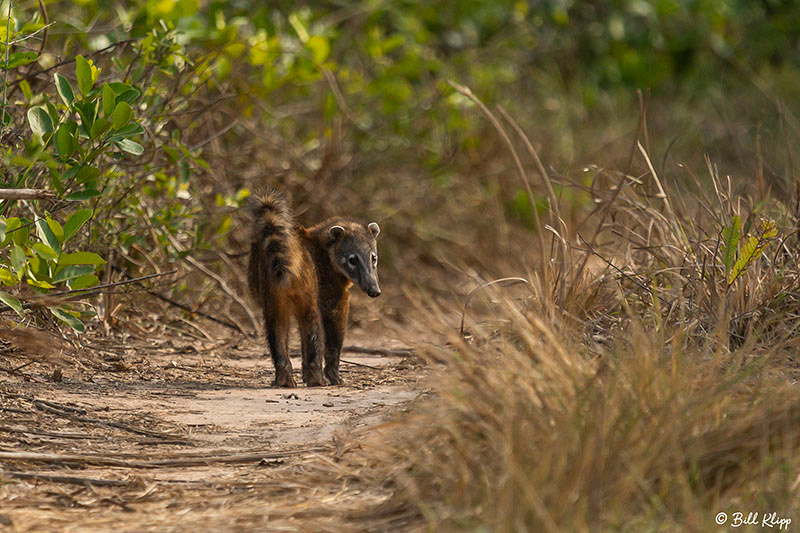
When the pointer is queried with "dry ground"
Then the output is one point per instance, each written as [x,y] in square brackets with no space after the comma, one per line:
[179,434]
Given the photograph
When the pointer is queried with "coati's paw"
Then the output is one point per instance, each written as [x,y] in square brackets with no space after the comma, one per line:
[333,376]
[313,378]
[284,380]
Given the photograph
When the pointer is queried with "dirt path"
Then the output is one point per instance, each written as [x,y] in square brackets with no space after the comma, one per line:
[170,435]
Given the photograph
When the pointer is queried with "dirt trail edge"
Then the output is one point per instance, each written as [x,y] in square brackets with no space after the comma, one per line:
[170,435]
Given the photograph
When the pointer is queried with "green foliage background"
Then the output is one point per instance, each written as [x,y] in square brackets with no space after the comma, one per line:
[150,121]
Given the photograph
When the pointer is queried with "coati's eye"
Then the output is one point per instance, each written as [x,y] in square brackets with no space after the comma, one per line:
[352,260]
[374,258]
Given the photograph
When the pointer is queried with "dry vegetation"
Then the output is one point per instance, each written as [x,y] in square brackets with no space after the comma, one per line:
[602,341]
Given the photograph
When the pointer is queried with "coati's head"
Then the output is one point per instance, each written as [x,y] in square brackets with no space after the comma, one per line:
[354,252]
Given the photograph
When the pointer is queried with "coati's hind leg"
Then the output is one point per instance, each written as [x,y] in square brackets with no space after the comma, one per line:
[310,326]
[276,322]
[335,324]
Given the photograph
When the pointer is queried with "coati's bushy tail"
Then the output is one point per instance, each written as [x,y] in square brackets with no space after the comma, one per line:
[273,243]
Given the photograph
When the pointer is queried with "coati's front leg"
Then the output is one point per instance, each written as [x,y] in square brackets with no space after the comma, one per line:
[312,344]
[335,323]
[276,323]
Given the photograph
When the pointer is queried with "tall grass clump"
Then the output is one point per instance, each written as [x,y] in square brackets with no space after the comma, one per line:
[646,383]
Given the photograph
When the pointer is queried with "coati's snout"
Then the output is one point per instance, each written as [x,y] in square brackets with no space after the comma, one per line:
[354,251]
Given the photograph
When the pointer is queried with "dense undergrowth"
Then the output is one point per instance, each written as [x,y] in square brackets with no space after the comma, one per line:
[643,376]
[645,379]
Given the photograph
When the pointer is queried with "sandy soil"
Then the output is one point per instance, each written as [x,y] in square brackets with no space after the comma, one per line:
[170,434]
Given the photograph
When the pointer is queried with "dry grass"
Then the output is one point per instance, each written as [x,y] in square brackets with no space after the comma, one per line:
[641,384]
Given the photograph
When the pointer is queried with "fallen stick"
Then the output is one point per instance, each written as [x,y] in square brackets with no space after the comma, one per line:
[26,194]
[68,479]
[379,351]
[27,431]
[119,425]
[400,352]
[34,457]
[359,364]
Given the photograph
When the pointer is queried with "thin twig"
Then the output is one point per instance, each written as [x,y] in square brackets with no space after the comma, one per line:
[224,286]
[188,309]
[5,74]
[43,28]
[100,460]
[359,364]
[119,425]
[28,431]
[213,137]
[68,61]
[97,288]
[72,480]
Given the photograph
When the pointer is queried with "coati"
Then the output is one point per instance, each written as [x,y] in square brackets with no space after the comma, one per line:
[307,273]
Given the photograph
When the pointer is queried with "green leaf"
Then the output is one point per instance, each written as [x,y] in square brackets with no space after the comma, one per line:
[64,90]
[44,251]
[64,143]
[74,223]
[320,48]
[7,277]
[87,112]
[26,90]
[68,318]
[87,173]
[99,127]
[130,146]
[19,59]
[17,258]
[12,302]
[129,96]
[122,115]
[55,179]
[56,229]
[47,236]
[2,229]
[51,110]
[119,87]
[752,249]
[730,243]
[38,268]
[108,99]
[15,232]
[72,271]
[84,73]
[40,121]
[83,195]
[42,284]
[127,131]
[299,27]
[83,282]
[80,258]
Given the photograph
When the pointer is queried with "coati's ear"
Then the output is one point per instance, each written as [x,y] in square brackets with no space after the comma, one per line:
[335,233]
[374,228]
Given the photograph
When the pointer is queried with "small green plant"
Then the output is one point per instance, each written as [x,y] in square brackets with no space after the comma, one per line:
[736,260]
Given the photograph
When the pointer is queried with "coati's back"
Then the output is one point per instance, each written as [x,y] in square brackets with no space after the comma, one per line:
[275,254]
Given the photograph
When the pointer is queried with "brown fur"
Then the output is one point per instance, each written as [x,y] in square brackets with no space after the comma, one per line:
[306,273]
